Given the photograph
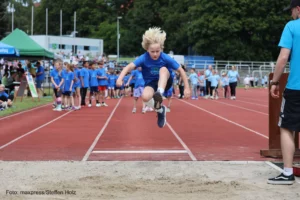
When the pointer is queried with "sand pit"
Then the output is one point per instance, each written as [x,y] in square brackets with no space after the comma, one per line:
[142,180]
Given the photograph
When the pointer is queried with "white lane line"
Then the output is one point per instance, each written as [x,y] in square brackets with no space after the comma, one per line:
[237,124]
[253,103]
[15,140]
[242,108]
[141,152]
[86,156]
[274,166]
[25,111]
[182,143]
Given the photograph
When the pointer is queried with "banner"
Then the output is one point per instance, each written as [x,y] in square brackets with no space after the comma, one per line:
[31,86]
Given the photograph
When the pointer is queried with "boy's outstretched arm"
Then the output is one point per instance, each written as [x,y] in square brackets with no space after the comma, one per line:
[187,91]
[125,70]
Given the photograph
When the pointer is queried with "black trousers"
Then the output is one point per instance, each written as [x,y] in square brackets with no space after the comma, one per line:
[208,83]
[232,88]
[83,95]
[181,88]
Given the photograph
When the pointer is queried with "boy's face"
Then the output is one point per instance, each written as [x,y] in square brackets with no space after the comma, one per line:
[154,51]
[1,88]
[57,66]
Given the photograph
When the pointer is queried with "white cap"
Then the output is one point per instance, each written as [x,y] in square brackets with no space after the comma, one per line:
[75,63]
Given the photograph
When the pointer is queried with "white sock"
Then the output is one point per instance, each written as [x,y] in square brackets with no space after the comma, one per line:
[150,103]
[160,90]
[159,110]
[287,171]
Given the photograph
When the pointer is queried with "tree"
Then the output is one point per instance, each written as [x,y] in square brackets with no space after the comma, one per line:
[3,18]
[236,29]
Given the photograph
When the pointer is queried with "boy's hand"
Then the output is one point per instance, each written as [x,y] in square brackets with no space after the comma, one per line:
[119,83]
[187,92]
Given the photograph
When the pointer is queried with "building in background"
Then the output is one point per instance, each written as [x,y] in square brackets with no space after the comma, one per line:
[66,45]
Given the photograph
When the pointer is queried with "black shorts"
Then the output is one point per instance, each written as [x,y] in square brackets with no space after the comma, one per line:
[67,93]
[57,93]
[154,84]
[94,89]
[290,110]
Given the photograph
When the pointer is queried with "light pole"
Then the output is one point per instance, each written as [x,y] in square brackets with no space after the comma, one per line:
[118,38]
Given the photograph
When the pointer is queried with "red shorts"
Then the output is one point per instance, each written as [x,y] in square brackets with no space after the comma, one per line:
[102,88]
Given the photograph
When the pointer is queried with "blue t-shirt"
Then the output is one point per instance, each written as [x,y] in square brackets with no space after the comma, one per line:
[40,77]
[233,76]
[214,79]
[112,80]
[68,77]
[101,72]
[290,39]
[139,80]
[207,73]
[57,77]
[77,82]
[132,81]
[3,96]
[93,78]
[194,78]
[225,81]
[84,73]
[125,79]
[202,79]
[150,67]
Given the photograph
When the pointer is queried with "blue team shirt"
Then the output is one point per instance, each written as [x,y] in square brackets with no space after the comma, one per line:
[225,81]
[290,39]
[3,94]
[93,78]
[207,73]
[77,82]
[125,79]
[112,80]
[150,67]
[194,78]
[214,79]
[68,78]
[139,80]
[202,78]
[40,77]
[132,81]
[102,72]
[84,73]
[233,76]
[57,77]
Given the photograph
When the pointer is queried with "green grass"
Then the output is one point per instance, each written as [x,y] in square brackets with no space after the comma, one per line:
[26,104]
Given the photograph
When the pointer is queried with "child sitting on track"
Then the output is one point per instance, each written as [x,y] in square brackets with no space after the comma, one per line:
[5,100]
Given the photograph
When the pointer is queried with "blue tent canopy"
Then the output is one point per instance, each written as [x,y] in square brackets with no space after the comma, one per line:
[8,51]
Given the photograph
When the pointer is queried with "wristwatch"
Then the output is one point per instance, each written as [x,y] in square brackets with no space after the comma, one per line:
[274,82]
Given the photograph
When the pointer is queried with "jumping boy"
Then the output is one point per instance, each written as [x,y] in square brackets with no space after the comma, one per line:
[156,69]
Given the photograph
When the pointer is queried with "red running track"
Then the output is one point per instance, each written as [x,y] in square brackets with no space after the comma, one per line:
[197,130]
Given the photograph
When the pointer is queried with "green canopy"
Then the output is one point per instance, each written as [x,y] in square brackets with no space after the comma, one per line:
[27,46]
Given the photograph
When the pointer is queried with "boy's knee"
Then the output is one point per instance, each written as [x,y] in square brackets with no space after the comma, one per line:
[146,97]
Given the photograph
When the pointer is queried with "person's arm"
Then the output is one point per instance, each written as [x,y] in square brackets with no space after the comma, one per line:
[279,69]
[61,82]
[125,70]
[187,92]
[52,80]
[130,78]
[72,82]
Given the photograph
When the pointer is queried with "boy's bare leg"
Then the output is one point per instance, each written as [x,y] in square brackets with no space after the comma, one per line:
[287,147]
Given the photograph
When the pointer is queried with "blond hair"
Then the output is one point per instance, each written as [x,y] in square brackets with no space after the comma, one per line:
[154,36]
